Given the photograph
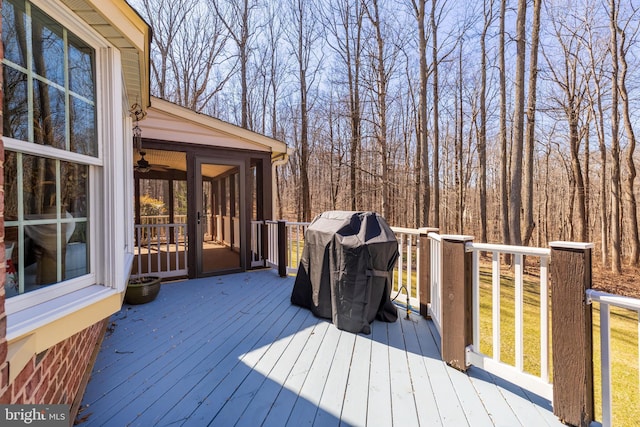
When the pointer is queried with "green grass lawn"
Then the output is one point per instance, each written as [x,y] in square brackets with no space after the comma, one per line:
[624,342]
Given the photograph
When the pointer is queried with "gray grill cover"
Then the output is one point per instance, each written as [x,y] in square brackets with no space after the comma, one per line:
[345,273]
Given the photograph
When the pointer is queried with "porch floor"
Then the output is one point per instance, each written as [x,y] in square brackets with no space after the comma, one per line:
[232,350]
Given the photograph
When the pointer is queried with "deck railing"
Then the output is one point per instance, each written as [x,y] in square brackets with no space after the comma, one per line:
[431,266]
[434,304]
[407,269]
[606,301]
[161,250]
[405,275]
[494,362]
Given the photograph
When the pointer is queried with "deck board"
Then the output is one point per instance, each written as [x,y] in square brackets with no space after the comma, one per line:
[232,350]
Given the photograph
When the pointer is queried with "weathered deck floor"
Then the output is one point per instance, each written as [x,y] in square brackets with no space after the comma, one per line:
[232,350]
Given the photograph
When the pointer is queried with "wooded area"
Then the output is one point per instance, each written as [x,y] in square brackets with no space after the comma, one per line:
[513,121]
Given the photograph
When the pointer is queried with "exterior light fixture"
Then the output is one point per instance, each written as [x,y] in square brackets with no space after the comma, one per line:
[142,165]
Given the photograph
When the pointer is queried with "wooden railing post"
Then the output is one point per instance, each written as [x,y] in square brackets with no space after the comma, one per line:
[571,337]
[424,266]
[457,327]
[264,243]
[282,248]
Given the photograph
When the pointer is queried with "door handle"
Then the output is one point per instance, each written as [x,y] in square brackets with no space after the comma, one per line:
[198,217]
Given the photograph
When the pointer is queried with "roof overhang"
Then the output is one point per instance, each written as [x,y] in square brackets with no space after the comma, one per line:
[119,23]
[171,122]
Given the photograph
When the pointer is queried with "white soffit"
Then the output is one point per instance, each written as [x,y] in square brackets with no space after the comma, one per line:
[119,23]
[169,122]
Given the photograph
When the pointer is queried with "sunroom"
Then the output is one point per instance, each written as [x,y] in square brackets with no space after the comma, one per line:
[199,184]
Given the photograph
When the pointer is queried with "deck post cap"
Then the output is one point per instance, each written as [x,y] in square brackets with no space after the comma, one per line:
[571,245]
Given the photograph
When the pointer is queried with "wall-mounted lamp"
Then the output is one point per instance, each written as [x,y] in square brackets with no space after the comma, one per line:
[142,165]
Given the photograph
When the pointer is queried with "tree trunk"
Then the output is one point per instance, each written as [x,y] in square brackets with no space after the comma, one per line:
[381,128]
[482,136]
[529,223]
[422,150]
[515,195]
[616,225]
[504,190]
[630,180]
[436,118]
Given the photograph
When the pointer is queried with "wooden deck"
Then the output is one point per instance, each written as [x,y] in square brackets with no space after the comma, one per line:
[232,350]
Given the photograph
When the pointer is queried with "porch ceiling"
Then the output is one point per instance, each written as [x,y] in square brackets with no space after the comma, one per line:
[162,160]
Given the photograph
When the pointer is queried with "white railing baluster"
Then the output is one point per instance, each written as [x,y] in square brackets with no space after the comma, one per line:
[519,312]
[495,275]
[409,256]
[436,279]
[544,319]
[418,254]
[399,263]
[605,360]
[476,301]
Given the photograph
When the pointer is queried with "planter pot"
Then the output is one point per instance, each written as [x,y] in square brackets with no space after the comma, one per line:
[142,290]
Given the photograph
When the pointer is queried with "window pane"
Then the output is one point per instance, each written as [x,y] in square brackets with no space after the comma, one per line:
[14,35]
[12,261]
[81,74]
[76,254]
[48,47]
[16,107]
[39,190]
[48,115]
[74,182]
[44,246]
[83,127]
[10,186]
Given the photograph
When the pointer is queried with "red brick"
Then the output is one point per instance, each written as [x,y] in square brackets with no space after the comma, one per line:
[48,397]
[4,376]
[33,383]
[5,397]
[41,391]
[25,374]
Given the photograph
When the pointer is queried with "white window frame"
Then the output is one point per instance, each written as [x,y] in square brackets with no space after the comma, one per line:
[110,196]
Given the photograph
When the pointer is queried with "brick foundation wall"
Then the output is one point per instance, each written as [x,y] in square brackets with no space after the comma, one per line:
[55,376]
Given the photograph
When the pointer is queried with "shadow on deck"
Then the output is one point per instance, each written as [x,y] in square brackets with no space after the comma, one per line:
[232,350]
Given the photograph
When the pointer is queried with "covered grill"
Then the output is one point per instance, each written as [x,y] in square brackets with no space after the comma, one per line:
[345,273]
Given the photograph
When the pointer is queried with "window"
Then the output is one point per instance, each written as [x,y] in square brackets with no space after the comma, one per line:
[51,150]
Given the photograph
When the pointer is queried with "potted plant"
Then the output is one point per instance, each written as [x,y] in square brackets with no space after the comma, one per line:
[142,290]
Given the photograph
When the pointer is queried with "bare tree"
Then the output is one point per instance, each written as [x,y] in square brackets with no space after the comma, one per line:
[596,70]
[436,119]
[572,85]
[188,52]
[237,17]
[529,223]
[303,37]
[383,63]
[482,134]
[616,217]
[515,195]
[504,189]
[627,33]
[343,19]
[422,150]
